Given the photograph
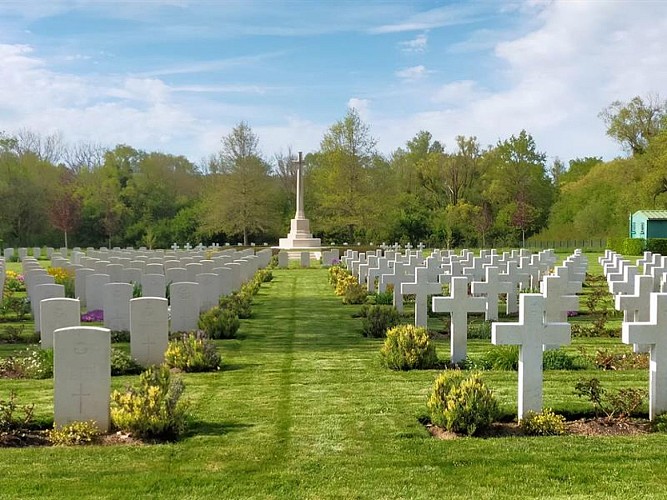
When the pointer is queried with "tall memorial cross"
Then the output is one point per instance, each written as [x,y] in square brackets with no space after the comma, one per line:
[421,287]
[399,276]
[531,334]
[458,305]
[653,333]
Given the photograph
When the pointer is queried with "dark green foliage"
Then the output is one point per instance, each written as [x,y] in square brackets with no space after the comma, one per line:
[264,275]
[502,357]
[120,336]
[384,298]
[136,290]
[408,348]
[655,245]
[237,303]
[378,319]
[462,403]
[479,330]
[123,364]
[355,294]
[218,323]
[15,305]
[558,359]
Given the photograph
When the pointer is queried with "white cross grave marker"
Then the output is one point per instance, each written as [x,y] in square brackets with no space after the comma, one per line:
[491,289]
[458,305]
[654,333]
[531,333]
[421,287]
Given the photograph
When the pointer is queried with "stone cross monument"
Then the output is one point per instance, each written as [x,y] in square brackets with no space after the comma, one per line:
[300,237]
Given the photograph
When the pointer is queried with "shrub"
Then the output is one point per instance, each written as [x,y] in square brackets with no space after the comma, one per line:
[382,298]
[502,357]
[660,423]
[344,282]
[14,282]
[656,245]
[558,359]
[123,364]
[152,410]
[238,303]
[378,319]
[120,336]
[264,275]
[621,403]
[336,272]
[13,417]
[34,363]
[545,423]
[462,404]
[94,316]
[11,334]
[635,246]
[193,353]
[479,330]
[137,291]
[75,434]
[219,323]
[355,294]
[63,277]
[604,359]
[408,347]
[13,304]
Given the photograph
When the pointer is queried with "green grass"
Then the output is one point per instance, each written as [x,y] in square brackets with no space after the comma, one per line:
[303,409]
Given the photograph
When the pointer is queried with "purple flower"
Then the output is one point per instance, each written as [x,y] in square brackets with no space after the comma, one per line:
[94,316]
[571,314]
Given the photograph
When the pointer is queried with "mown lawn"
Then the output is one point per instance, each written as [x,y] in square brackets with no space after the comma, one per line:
[303,409]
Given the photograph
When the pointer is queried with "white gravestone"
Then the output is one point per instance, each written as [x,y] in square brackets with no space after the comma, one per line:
[459,304]
[80,283]
[421,288]
[283,260]
[153,268]
[82,375]
[95,291]
[396,278]
[637,306]
[41,292]
[305,259]
[55,314]
[149,330]
[531,334]
[116,305]
[653,333]
[176,275]
[209,290]
[184,300]
[153,285]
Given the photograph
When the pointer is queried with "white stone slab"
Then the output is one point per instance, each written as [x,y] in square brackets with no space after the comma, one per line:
[82,375]
[55,314]
[149,330]
[184,301]
[116,306]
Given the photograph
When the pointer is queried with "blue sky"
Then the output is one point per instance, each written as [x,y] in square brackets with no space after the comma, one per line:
[176,76]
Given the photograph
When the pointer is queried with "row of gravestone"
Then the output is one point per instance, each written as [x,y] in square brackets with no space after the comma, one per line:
[640,291]
[82,354]
[329,257]
[487,276]
[189,295]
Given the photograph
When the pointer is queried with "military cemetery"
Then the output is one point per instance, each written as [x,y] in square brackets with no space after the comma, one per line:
[332,250]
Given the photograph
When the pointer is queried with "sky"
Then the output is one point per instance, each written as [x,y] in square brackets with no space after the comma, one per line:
[176,76]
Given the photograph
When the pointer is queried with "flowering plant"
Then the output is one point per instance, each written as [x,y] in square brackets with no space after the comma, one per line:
[94,316]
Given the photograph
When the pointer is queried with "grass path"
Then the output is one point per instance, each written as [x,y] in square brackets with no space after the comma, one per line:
[303,409]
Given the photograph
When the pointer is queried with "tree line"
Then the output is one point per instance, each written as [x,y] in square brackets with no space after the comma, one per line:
[463,194]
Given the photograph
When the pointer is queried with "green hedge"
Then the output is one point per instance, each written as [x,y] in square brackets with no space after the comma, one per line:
[657,245]
[633,246]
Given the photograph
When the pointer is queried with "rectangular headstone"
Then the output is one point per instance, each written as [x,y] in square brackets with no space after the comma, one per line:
[95,291]
[116,304]
[82,375]
[153,285]
[149,330]
[55,314]
[184,300]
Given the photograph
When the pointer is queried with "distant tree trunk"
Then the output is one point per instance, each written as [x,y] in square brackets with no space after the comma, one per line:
[245,236]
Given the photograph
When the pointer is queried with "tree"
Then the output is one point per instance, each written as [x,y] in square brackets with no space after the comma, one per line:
[65,208]
[349,179]
[240,198]
[634,123]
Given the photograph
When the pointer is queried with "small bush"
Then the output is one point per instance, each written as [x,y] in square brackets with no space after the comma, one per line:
[193,353]
[558,359]
[345,281]
[65,277]
[264,275]
[34,363]
[502,357]
[11,334]
[152,410]
[381,298]
[545,423]
[462,404]
[123,364]
[238,303]
[94,316]
[378,319]
[13,304]
[15,418]
[14,282]
[660,423]
[219,323]
[407,348]
[656,245]
[620,404]
[635,246]
[355,294]
[120,336]
[479,330]
[604,359]
[336,272]
[75,434]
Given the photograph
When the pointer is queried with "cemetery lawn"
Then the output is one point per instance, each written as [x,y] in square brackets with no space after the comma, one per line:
[303,409]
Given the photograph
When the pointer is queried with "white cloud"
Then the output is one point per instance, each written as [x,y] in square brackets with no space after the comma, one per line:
[417,44]
[412,73]
[362,106]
